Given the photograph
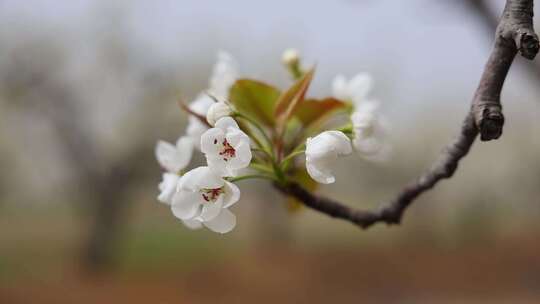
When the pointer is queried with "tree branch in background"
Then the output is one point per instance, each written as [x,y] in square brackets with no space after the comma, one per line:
[514,33]
[490,22]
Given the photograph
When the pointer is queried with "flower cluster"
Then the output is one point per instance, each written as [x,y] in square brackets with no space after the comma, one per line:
[249,129]
[202,196]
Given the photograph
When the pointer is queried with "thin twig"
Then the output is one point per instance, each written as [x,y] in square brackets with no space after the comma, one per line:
[186,108]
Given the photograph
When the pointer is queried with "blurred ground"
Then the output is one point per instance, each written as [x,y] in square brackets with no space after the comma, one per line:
[161,262]
[509,273]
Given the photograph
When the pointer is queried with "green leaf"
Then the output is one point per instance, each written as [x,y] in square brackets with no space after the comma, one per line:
[291,99]
[312,110]
[255,99]
[302,177]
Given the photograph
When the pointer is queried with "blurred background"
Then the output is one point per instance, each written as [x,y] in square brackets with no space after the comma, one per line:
[88,87]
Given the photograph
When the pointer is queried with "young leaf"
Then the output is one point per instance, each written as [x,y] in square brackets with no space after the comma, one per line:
[255,99]
[312,110]
[292,98]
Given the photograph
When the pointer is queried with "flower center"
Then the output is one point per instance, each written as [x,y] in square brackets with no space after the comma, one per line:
[211,195]
[227,151]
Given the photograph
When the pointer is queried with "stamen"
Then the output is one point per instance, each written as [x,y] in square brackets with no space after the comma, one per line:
[228,151]
[211,195]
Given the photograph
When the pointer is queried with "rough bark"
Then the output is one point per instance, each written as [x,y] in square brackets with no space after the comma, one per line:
[490,23]
[514,34]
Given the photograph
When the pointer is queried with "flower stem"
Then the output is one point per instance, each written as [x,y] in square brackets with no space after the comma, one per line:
[292,155]
[242,177]
[200,117]
[261,130]
[262,168]
[347,129]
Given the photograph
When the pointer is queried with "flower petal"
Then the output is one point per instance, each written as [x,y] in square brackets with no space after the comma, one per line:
[201,178]
[359,87]
[232,195]
[236,136]
[323,176]
[339,88]
[165,153]
[194,130]
[174,158]
[342,144]
[192,224]
[185,204]
[328,142]
[196,127]
[201,104]
[167,187]
[242,157]
[185,145]
[224,74]
[226,123]
[211,210]
[321,153]
[212,141]
[217,111]
[219,166]
[222,223]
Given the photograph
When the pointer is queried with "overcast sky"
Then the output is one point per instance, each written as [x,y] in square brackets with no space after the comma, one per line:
[415,49]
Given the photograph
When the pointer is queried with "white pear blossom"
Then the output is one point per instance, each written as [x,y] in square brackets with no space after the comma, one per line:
[196,127]
[167,187]
[192,224]
[203,198]
[355,90]
[227,148]
[217,111]
[172,158]
[224,75]
[321,153]
[369,132]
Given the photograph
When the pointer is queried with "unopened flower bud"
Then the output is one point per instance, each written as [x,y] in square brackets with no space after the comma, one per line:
[322,151]
[290,57]
[216,111]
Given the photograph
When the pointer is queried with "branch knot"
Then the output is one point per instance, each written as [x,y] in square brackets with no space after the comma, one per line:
[527,44]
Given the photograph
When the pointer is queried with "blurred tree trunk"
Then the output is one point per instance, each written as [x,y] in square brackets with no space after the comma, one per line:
[102,186]
[108,207]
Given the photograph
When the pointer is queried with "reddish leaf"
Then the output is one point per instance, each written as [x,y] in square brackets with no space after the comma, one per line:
[312,110]
[292,98]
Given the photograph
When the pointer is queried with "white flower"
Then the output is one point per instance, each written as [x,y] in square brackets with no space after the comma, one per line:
[174,158]
[355,90]
[369,132]
[167,187]
[218,110]
[203,197]
[192,224]
[224,74]
[321,153]
[196,127]
[226,147]
[290,57]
